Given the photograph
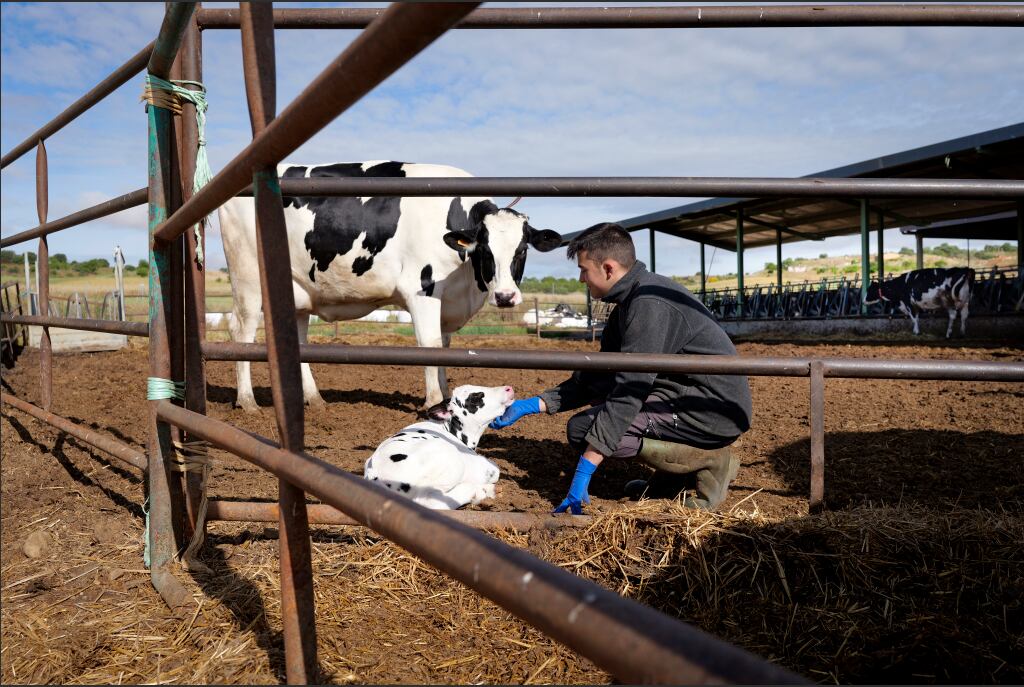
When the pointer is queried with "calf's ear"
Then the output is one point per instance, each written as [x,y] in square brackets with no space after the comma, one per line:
[544,240]
[459,241]
[440,411]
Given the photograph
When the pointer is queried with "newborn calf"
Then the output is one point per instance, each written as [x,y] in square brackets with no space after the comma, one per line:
[434,462]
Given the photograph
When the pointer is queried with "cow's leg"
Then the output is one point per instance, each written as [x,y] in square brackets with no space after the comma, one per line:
[426,321]
[309,391]
[442,372]
[242,327]
[964,310]
[952,317]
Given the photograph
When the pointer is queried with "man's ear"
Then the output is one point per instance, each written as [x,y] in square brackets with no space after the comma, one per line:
[543,240]
[459,241]
[440,411]
[609,268]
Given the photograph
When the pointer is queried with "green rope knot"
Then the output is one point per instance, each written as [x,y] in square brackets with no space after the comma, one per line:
[158,389]
[170,94]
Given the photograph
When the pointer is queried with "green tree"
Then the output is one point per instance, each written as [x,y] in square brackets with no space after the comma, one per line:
[906,251]
[769,267]
[822,256]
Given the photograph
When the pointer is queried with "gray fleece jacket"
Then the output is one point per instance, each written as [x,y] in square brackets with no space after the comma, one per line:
[654,314]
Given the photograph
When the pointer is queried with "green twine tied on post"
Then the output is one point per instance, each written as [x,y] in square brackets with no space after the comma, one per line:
[169,94]
[158,389]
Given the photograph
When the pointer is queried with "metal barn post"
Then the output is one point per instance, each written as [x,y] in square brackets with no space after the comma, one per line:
[865,255]
[297,603]
[739,263]
[1020,235]
[920,248]
[778,257]
[703,273]
[536,312]
[43,277]
[653,267]
[881,246]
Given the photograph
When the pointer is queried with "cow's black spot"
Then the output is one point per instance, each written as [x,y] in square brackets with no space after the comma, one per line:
[421,431]
[475,401]
[398,457]
[427,280]
[458,402]
[406,487]
[454,425]
[293,173]
[464,438]
[375,479]
[337,221]
[472,224]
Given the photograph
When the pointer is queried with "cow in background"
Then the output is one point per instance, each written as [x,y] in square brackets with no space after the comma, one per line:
[439,258]
[930,289]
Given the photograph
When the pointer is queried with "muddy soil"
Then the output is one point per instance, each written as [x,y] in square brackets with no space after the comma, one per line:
[888,442]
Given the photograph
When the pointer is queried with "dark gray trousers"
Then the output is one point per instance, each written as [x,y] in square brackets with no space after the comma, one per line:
[656,420]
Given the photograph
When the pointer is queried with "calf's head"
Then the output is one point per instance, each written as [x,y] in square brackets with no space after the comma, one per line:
[496,241]
[470,409]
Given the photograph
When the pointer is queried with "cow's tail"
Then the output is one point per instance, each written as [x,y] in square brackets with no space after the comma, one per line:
[964,287]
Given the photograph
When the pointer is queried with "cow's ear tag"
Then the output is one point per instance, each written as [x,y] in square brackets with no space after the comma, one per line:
[464,243]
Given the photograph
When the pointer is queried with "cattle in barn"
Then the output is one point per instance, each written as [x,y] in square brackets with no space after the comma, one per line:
[438,258]
[930,289]
[434,462]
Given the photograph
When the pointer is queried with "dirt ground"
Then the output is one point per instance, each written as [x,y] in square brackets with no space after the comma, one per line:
[83,610]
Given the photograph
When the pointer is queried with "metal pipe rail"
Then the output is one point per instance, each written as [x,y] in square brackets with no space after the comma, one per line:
[107,326]
[730,187]
[656,17]
[117,449]
[108,207]
[634,362]
[650,647]
[320,514]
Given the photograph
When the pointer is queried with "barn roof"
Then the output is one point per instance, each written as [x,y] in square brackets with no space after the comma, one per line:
[994,154]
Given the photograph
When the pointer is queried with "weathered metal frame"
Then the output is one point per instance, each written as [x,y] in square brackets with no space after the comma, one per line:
[710,16]
[664,649]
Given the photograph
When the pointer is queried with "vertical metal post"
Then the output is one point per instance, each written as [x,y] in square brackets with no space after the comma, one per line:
[536,311]
[703,273]
[817,412]
[920,249]
[778,257]
[165,515]
[653,267]
[1020,234]
[739,263]
[191,57]
[865,255]
[43,276]
[881,246]
[297,605]
[28,286]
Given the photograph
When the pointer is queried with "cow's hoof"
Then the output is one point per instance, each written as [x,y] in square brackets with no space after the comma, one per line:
[250,408]
[316,403]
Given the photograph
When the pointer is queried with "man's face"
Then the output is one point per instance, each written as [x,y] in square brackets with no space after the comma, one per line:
[596,275]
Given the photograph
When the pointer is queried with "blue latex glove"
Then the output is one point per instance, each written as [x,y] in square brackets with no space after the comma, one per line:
[518,409]
[578,489]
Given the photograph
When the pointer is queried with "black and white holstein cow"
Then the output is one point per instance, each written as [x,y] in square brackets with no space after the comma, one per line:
[434,462]
[438,258]
[928,290]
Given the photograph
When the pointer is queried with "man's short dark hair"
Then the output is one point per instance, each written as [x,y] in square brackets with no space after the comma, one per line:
[603,241]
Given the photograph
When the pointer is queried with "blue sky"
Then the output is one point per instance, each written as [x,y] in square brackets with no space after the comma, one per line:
[711,102]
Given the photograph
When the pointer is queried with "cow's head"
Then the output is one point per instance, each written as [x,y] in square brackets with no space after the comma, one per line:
[470,409]
[877,291]
[496,241]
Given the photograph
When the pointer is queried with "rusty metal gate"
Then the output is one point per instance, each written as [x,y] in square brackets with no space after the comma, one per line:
[631,641]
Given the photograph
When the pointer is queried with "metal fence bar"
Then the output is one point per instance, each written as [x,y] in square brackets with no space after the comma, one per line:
[43,275]
[298,615]
[166,500]
[401,32]
[658,17]
[817,421]
[108,326]
[117,449]
[964,370]
[731,187]
[119,77]
[319,514]
[108,207]
[650,647]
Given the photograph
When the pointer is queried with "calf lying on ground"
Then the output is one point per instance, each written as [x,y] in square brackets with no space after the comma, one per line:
[434,462]
[928,290]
